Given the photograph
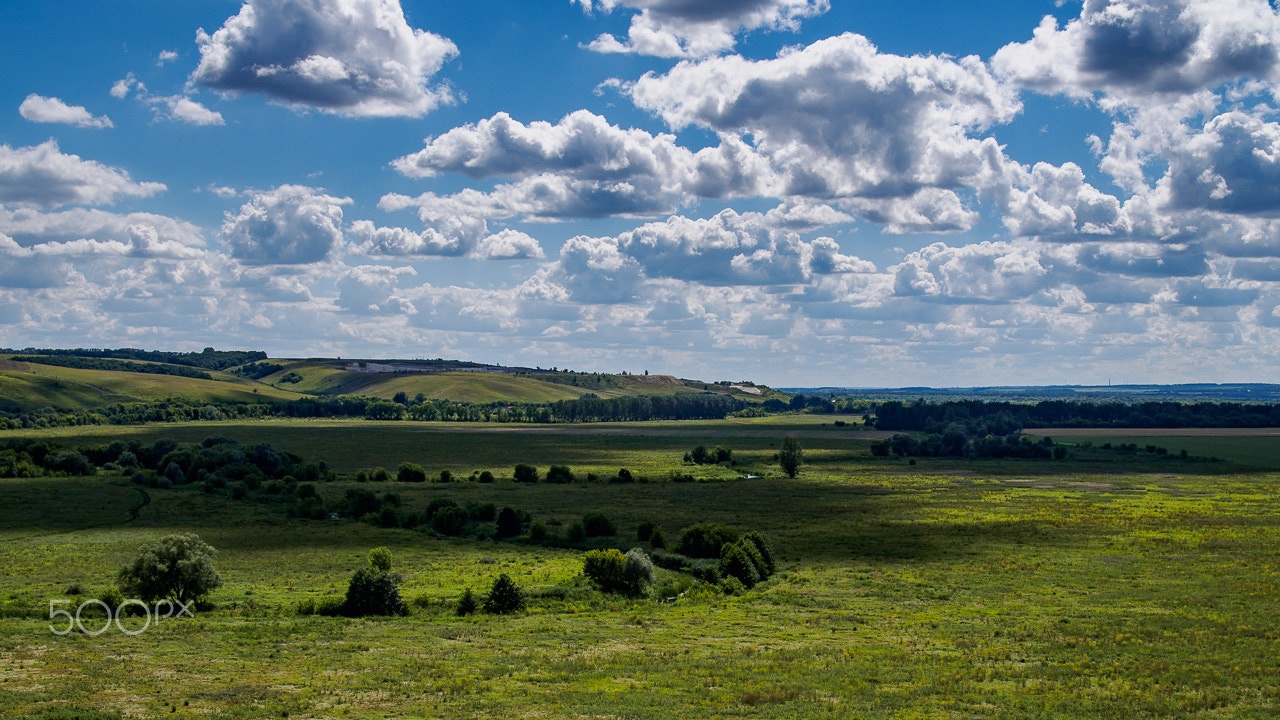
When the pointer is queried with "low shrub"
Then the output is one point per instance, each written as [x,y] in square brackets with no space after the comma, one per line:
[467,604]
[597,525]
[410,472]
[605,568]
[559,474]
[504,597]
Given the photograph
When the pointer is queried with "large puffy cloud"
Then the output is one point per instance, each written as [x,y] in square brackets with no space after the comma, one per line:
[840,120]
[1232,166]
[358,58]
[508,244]
[38,108]
[582,166]
[401,242]
[144,234]
[727,249]
[696,28]
[43,176]
[984,272]
[1054,202]
[290,225]
[1132,48]
[465,236]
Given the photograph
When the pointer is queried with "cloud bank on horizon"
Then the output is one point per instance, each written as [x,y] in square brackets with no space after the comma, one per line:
[731,189]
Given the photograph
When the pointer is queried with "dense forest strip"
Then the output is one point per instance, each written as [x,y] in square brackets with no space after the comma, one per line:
[1003,417]
[589,408]
[208,359]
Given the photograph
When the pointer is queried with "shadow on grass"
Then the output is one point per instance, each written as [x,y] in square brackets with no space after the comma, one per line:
[913,541]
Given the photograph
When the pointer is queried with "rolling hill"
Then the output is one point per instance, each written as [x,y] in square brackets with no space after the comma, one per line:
[27,385]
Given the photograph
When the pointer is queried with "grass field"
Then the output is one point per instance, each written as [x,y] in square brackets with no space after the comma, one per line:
[1073,589]
[1254,447]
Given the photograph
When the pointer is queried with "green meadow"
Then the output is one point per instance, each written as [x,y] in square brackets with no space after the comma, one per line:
[1104,585]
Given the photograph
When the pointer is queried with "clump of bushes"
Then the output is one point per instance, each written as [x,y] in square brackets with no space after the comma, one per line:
[702,456]
[611,571]
[559,474]
[749,560]
[375,590]
[411,472]
[704,540]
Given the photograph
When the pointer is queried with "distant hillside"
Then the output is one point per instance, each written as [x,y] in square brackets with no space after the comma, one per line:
[31,385]
[475,383]
[83,380]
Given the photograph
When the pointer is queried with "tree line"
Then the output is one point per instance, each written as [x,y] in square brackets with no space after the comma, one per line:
[588,408]
[981,417]
[207,359]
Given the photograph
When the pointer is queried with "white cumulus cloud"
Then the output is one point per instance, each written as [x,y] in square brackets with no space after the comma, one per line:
[43,176]
[892,136]
[697,28]
[358,58]
[1128,49]
[290,225]
[38,108]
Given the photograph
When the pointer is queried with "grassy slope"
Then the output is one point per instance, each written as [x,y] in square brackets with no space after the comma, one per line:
[328,377]
[29,386]
[456,386]
[929,591]
[32,385]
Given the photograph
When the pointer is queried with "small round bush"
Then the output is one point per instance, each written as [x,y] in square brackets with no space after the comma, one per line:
[559,474]
[605,568]
[380,559]
[467,604]
[737,564]
[508,523]
[410,472]
[373,593]
[637,572]
[597,525]
[504,597]
[374,590]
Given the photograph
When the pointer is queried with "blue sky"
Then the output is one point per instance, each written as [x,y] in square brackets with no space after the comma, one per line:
[797,192]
